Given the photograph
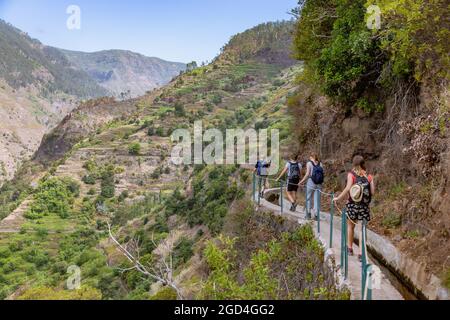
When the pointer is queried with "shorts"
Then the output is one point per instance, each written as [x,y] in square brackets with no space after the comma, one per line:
[293,184]
[358,212]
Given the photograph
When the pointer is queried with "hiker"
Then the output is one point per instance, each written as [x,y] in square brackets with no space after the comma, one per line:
[360,190]
[261,168]
[314,179]
[293,168]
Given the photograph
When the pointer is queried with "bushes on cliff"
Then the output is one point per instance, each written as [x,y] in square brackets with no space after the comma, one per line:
[54,196]
[348,61]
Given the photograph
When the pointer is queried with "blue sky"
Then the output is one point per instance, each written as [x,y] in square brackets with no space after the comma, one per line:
[174,30]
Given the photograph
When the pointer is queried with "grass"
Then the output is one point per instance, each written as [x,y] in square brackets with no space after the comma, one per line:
[392,220]
[412,234]
[447,279]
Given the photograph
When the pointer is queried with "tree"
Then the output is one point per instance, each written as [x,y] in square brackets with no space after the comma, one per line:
[161,271]
[191,66]
[179,110]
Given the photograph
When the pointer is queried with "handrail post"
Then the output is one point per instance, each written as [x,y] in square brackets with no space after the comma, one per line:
[369,288]
[254,187]
[259,190]
[364,277]
[281,197]
[344,245]
[318,209]
[331,220]
[308,213]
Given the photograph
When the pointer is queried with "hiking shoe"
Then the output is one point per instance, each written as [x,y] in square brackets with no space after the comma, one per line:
[292,208]
[295,206]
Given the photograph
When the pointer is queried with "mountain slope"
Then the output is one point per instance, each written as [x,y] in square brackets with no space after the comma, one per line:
[38,87]
[119,71]
[125,175]
[27,62]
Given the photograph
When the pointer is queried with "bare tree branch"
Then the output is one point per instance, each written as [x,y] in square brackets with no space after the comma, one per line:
[165,274]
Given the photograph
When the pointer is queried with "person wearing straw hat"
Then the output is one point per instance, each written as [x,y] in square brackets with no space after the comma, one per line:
[359,190]
[293,169]
[314,179]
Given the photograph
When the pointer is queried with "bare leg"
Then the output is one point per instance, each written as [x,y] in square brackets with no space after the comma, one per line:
[351,233]
[291,197]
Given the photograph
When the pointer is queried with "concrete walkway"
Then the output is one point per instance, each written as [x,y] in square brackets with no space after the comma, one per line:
[386,290]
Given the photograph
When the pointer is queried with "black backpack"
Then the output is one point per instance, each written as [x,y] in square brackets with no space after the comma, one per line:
[364,183]
[317,175]
[294,170]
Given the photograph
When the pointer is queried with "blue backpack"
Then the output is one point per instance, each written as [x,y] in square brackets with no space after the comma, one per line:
[317,175]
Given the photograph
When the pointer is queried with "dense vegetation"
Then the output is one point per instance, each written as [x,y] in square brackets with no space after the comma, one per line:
[267,257]
[213,190]
[354,65]
[263,42]
[382,92]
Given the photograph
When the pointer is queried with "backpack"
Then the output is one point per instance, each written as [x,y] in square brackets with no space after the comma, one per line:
[258,166]
[360,191]
[317,175]
[262,167]
[294,170]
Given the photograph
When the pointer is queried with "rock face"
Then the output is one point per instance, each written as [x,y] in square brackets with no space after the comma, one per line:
[80,123]
[125,72]
[38,87]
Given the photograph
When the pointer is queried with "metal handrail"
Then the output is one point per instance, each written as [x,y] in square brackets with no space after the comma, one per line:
[366,290]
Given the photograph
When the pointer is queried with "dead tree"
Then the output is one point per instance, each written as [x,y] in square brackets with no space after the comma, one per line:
[162,271]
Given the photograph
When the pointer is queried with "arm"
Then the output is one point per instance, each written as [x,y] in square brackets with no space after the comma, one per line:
[372,187]
[282,173]
[346,190]
[307,175]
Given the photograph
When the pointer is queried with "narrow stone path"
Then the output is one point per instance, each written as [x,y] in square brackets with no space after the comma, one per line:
[386,290]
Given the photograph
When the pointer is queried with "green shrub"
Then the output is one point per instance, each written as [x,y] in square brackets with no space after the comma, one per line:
[54,196]
[182,252]
[447,279]
[165,294]
[46,293]
[134,149]
[179,110]
[89,180]
[392,220]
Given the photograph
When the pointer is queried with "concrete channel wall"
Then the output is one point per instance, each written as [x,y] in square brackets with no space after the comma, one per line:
[410,273]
